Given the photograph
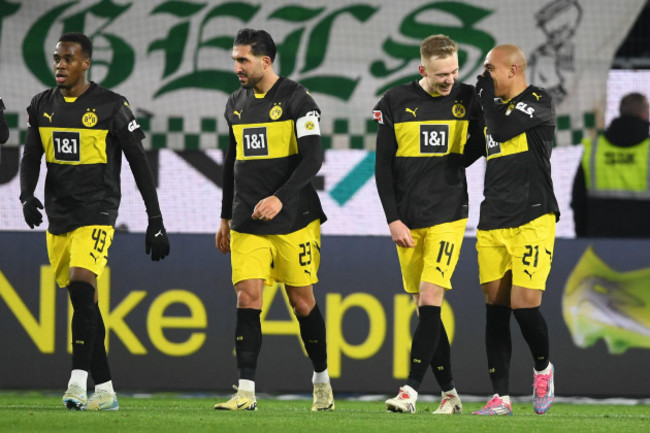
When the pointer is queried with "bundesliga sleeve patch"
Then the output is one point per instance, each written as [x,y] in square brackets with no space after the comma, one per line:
[308,125]
[378,117]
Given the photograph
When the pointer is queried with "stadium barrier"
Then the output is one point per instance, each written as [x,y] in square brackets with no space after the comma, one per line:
[171,324]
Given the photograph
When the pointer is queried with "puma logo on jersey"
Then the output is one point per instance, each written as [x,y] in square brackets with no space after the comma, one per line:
[49,116]
[536,95]
[408,110]
[238,113]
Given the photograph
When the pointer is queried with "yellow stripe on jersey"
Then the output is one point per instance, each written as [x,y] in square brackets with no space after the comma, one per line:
[408,136]
[265,140]
[513,146]
[74,146]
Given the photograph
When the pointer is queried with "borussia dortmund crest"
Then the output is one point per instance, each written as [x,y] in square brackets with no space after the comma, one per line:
[276,112]
[458,110]
[89,118]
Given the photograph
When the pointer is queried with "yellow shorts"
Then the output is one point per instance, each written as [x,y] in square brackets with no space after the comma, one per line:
[434,257]
[85,247]
[527,251]
[292,259]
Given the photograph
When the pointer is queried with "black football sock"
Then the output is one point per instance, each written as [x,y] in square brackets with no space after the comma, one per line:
[312,333]
[498,343]
[84,324]
[441,362]
[99,363]
[535,332]
[423,346]
[248,341]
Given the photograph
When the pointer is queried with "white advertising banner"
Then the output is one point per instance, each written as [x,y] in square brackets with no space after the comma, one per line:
[191,202]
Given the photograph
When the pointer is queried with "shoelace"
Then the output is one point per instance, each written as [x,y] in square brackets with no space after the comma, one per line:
[236,395]
[445,400]
[541,384]
[496,401]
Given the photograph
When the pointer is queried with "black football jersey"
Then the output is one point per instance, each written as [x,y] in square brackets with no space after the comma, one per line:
[83,142]
[263,137]
[420,144]
[519,139]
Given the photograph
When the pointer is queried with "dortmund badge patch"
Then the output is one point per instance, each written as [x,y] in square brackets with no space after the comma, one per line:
[458,110]
[276,112]
[89,118]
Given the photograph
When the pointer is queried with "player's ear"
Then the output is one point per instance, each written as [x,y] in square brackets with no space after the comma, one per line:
[422,71]
[86,64]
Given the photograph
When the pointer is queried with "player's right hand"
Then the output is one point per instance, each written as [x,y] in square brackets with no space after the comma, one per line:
[33,217]
[222,238]
[485,87]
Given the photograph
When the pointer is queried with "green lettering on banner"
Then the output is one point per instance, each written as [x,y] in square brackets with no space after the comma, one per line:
[288,49]
[6,9]
[412,27]
[122,55]
[175,44]
[354,180]
[336,86]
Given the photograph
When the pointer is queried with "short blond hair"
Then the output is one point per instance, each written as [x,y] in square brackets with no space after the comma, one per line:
[438,46]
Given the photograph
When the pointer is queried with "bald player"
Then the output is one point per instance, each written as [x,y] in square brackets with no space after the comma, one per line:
[516,230]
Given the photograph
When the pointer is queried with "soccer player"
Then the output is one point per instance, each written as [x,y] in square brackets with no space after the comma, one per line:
[270,212]
[516,230]
[83,129]
[420,173]
[4,128]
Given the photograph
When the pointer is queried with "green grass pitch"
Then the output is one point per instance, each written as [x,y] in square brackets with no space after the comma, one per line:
[44,412]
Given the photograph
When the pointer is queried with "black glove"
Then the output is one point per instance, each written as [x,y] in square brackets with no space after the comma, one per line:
[485,88]
[156,239]
[33,217]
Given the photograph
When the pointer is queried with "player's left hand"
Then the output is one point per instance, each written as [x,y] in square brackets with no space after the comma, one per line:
[156,240]
[33,217]
[485,87]
[267,208]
